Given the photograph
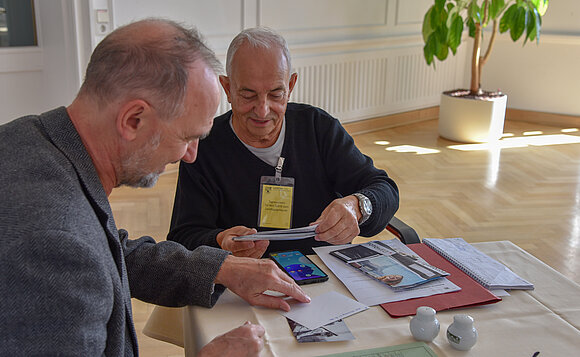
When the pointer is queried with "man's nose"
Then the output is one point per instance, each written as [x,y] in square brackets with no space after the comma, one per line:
[191,152]
[262,108]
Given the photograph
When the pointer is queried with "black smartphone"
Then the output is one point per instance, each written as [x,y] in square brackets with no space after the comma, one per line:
[299,267]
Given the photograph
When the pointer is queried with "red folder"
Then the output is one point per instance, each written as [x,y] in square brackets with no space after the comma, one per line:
[471,293]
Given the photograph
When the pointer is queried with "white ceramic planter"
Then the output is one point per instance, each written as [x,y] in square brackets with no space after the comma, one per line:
[471,120]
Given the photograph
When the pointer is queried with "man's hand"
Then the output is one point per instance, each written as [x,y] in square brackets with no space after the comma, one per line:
[250,278]
[243,341]
[252,249]
[338,223]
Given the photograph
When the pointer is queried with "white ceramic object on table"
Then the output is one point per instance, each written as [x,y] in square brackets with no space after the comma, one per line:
[461,334]
[424,325]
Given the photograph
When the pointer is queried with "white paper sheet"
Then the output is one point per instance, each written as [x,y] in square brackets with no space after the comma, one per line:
[282,234]
[324,309]
[371,292]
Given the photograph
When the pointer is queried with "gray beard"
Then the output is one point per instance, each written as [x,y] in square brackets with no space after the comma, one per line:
[132,173]
[147,181]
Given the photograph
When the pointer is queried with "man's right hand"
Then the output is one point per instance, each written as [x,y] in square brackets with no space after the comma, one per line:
[250,278]
[252,249]
[244,341]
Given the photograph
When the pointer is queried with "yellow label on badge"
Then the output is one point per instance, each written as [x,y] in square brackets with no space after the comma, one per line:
[276,206]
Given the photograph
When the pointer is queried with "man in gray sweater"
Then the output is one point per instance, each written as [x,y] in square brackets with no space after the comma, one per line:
[67,272]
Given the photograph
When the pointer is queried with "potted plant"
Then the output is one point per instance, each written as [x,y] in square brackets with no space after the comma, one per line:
[475,115]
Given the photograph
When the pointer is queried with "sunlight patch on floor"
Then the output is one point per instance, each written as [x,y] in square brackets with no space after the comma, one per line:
[569,130]
[412,148]
[519,142]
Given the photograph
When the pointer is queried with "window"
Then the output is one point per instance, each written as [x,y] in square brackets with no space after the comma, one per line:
[17,23]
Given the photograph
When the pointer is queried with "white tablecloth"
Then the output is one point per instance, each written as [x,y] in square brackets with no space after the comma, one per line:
[546,319]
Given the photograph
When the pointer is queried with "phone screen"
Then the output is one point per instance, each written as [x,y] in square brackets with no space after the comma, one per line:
[299,267]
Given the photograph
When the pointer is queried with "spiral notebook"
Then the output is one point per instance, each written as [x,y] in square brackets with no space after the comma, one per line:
[485,270]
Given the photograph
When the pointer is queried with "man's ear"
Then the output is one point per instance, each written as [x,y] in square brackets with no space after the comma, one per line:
[130,118]
[225,82]
[292,82]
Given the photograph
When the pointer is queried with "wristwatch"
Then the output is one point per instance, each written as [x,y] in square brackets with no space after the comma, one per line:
[365,206]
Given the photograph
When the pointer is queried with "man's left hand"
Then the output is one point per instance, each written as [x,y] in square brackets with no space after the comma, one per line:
[338,223]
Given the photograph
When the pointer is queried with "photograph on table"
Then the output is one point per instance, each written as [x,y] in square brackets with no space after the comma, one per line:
[334,331]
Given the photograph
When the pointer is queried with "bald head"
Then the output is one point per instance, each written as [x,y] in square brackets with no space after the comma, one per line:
[150,60]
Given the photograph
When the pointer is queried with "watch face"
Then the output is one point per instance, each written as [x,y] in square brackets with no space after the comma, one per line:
[367,206]
[364,204]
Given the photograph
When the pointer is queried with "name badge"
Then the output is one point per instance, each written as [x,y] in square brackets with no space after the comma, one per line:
[276,200]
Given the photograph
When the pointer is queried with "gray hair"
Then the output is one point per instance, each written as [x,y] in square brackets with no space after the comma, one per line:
[154,67]
[257,37]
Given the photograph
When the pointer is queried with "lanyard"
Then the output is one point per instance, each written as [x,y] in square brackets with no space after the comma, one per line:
[278,176]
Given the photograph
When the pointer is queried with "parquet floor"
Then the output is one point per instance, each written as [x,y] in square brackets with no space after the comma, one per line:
[526,191]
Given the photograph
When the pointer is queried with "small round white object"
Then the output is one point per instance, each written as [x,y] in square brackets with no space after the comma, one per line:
[424,325]
[461,334]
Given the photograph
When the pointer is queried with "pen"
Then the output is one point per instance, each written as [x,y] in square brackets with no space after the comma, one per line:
[536,354]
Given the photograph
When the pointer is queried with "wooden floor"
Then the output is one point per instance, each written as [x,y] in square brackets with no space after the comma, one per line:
[526,191]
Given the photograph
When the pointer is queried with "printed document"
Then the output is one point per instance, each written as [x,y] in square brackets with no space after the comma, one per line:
[389,266]
[282,234]
[372,292]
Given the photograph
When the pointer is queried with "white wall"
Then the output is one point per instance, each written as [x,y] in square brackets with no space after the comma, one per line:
[355,58]
[542,77]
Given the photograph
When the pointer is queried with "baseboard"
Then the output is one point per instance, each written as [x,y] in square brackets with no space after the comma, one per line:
[392,120]
[415,116]
[559,120]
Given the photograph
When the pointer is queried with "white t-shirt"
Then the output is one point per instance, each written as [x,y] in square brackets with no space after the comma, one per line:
[270,154]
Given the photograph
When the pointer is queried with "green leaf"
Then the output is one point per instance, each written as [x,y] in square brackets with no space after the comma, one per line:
[474,11]
[538,26]
[440,4]
[495,8]
[531,25]
[438,16]
[463,4]
[436,44]
[452,12]
[444,16]
[455,32]
[443,52]
[506,20]
[434,16]
[431,45]
[427,28]
[541,6]
[471,26]
[428,53]
[518,24]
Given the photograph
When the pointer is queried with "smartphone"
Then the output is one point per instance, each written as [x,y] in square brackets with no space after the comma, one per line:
[299,267]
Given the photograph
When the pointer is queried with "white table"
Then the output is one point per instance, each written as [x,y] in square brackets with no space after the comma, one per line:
[546,319]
